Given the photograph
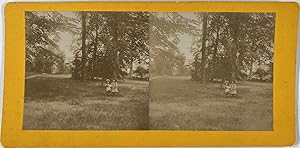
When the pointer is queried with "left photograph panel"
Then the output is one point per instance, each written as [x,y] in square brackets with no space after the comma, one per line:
[86,71]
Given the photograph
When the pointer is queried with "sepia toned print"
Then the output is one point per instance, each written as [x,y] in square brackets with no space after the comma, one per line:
[213,71]
[149,71]
[86,70]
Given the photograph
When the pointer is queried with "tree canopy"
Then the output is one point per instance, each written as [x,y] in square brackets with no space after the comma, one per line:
[229,46]
[114,41]
[165,31]
[235,42]
[43,30]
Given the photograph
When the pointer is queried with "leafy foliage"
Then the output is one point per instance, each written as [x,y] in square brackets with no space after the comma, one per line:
[110,44]
[114,41]
[43,30]
[165,33]
[235,42]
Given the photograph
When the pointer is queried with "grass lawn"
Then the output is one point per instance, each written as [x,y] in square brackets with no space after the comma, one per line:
[179,103]
[57,102]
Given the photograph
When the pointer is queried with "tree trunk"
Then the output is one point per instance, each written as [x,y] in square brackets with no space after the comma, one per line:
[203,50]
[195,75]
[131,66]
[214,58]
[234,51]
[216,45]
[95,51]
[141,75]
[251,69]
[83,45]
[115,46]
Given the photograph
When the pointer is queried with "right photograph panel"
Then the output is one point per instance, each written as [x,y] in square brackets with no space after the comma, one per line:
[211,71]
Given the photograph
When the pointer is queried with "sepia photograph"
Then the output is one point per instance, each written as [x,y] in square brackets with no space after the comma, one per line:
[86,70]
[203,71]
[211,71]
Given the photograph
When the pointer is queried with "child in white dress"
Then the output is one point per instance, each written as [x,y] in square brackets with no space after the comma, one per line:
[115,87]
[226,88]
[108,87]
[233,89]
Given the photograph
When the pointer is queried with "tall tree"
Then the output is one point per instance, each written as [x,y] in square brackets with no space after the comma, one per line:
[113,40]
[203,48]
[236,42]
[83,45]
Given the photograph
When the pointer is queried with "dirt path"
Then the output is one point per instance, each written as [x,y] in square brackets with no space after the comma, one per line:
[30,77]
[49,75]
[157,77]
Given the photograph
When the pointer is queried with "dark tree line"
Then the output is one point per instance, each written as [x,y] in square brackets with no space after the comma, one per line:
[109,43]
[230,43]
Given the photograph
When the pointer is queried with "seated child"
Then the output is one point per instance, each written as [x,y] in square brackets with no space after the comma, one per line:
[226,88]
[233,88]
[115,87]
[108,87]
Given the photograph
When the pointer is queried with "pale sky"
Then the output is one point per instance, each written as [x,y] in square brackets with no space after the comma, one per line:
[186,40]
[65,44]
[185,46]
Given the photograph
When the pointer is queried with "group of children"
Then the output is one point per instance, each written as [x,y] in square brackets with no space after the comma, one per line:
[111,87]
[230,88]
